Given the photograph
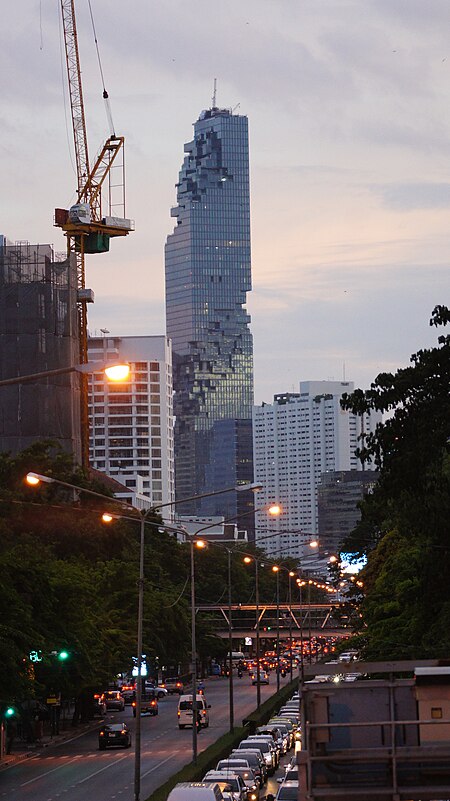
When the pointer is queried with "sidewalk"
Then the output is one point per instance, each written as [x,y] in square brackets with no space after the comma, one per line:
[22,750]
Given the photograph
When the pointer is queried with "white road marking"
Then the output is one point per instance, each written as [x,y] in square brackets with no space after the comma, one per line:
[156,766]
[111,764]
[30,781]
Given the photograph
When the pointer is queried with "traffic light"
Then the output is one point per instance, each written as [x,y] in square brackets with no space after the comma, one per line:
[10,712]
[63,655]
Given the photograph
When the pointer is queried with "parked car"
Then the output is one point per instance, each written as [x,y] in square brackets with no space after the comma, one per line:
[112,734]
[114,700]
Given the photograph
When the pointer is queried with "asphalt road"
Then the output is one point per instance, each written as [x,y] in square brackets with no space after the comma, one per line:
[76,770]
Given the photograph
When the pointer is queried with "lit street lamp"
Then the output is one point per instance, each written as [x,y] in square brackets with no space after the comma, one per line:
[114,372]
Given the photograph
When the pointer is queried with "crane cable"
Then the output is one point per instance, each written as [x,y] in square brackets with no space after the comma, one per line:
[105,93]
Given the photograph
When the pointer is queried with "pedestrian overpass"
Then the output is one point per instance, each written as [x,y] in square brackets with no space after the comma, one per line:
[283,620]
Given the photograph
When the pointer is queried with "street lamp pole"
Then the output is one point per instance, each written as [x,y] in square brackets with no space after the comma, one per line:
[258,670]
[137,761]
[230,647]
[291,575]
[276,570]
[194,659]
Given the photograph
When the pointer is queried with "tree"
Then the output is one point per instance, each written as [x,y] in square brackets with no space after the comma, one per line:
[405,524]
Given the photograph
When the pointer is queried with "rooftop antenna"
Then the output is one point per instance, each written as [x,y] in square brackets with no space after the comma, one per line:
[214,94]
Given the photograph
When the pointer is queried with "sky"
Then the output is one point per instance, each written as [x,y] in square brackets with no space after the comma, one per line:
[349,115]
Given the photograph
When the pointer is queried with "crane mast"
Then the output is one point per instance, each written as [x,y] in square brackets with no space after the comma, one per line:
[85,227]
[75,91]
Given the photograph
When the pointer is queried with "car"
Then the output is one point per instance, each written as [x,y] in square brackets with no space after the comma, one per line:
[266,752]
[173,686]
[231,782]
[249,779]
[242,767]
[255,761]
[128,691]
[160,692]
[288,791]
[99,706]
[184,712]
[113,699]
[263,678]
[112,734]
[149,704]
[197,791]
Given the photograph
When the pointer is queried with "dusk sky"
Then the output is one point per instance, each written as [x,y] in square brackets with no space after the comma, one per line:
[349,114]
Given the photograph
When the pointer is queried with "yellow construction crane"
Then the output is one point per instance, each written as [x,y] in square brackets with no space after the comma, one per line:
[99,212]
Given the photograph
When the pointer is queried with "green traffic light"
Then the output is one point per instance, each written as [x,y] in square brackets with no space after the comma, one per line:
[63,655]
[9,712]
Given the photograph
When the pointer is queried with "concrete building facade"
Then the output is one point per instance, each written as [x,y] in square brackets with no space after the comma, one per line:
[131,424]
[338,497]
[208,275]
[295,440]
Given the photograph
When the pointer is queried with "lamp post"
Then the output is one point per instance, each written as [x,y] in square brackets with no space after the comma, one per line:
[36,478]
[276,570]
[255,559]
[114,372]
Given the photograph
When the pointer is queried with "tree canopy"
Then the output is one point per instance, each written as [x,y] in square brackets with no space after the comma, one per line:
[405,526]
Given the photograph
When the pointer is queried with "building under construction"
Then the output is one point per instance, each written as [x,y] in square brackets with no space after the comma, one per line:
[38,331]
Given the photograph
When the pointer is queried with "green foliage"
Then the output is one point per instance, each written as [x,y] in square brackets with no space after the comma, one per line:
[405,525]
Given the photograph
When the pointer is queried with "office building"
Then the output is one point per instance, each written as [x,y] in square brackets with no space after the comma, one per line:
[295,440]
[338,497]
[208,275]
[38,332]
[131,424]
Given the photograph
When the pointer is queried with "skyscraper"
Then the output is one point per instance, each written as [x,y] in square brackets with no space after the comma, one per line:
[297,439]
[208,275]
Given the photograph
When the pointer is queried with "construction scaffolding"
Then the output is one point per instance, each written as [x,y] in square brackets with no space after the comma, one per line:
[39,331]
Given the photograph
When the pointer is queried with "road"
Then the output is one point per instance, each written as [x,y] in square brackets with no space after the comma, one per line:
[75,770]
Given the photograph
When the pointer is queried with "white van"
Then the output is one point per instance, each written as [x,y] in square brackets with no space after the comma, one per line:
[185,711]
[195,791]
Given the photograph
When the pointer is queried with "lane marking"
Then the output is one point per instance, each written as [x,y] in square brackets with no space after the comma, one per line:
[47,773]
[111,764]
[156,766]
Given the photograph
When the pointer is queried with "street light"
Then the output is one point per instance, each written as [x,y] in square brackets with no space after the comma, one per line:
[36,478]
[276,570]
[114,372]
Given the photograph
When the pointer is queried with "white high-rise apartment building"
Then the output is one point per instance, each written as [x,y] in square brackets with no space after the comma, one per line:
[131,424]
[295,440]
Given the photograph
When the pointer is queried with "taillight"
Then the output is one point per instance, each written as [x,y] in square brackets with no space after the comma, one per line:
[124,731]
[102,734]
[178,713]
